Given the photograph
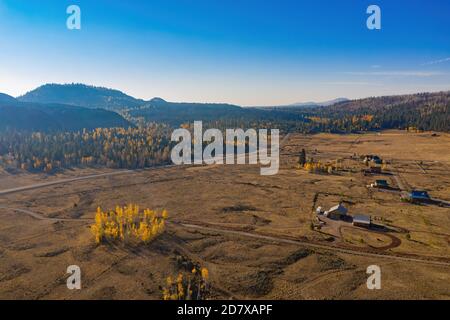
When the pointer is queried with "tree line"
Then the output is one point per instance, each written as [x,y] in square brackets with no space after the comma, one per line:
[130,148]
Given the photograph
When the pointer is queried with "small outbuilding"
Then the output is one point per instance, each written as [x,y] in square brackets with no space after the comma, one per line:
[380,184]
[371,157]
[360,220]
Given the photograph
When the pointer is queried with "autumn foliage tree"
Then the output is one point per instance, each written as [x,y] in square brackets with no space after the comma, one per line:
[187,286]
[129,224]
[318,167]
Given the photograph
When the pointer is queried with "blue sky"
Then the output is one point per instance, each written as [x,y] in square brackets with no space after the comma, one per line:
[246,52]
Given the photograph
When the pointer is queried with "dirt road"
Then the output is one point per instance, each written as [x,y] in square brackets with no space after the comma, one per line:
[51,183]
[95,176]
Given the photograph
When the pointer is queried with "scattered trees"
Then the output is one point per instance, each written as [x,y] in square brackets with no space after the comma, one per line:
[193,286]
[318,167]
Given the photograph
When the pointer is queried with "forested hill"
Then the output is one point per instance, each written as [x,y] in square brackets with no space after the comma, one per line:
[15,115]
[82,95]
[6,98]
[414,101]
[427,111]
[176,113]
[423,111]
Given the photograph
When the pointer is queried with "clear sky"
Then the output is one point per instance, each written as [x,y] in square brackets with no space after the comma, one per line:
[248,52]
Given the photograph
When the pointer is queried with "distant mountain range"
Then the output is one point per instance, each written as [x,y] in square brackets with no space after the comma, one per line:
[156,109]
[319,104]
[111,99]
[76,106]
[306,105]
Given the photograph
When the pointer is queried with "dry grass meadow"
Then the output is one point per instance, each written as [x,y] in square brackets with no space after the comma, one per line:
[252,232]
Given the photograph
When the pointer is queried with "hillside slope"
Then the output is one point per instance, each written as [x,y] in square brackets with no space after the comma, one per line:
[16,115]
[427,111]
[6,98]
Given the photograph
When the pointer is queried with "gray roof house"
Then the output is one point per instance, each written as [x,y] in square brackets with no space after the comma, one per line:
[337,210]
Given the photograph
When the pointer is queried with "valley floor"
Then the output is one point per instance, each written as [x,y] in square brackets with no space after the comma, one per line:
[254,233]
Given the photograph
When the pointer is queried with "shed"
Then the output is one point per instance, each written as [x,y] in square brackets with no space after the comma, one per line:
[361,220]
[375,170]
[371,157]
[381,184]
[377,161]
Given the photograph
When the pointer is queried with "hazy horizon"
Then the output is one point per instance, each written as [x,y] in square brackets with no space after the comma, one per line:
[218,102]
[250,54]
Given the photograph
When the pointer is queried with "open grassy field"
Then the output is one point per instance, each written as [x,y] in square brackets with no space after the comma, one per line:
[254,233]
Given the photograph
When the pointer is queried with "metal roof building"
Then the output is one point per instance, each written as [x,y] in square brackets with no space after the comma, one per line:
[362,220]
[381,183]
[419,194]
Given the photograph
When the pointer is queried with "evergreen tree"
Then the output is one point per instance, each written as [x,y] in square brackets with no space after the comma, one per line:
[302,158]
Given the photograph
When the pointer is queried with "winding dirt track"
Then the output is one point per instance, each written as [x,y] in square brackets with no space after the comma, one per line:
[395,242]
[39,216]
[280,239]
